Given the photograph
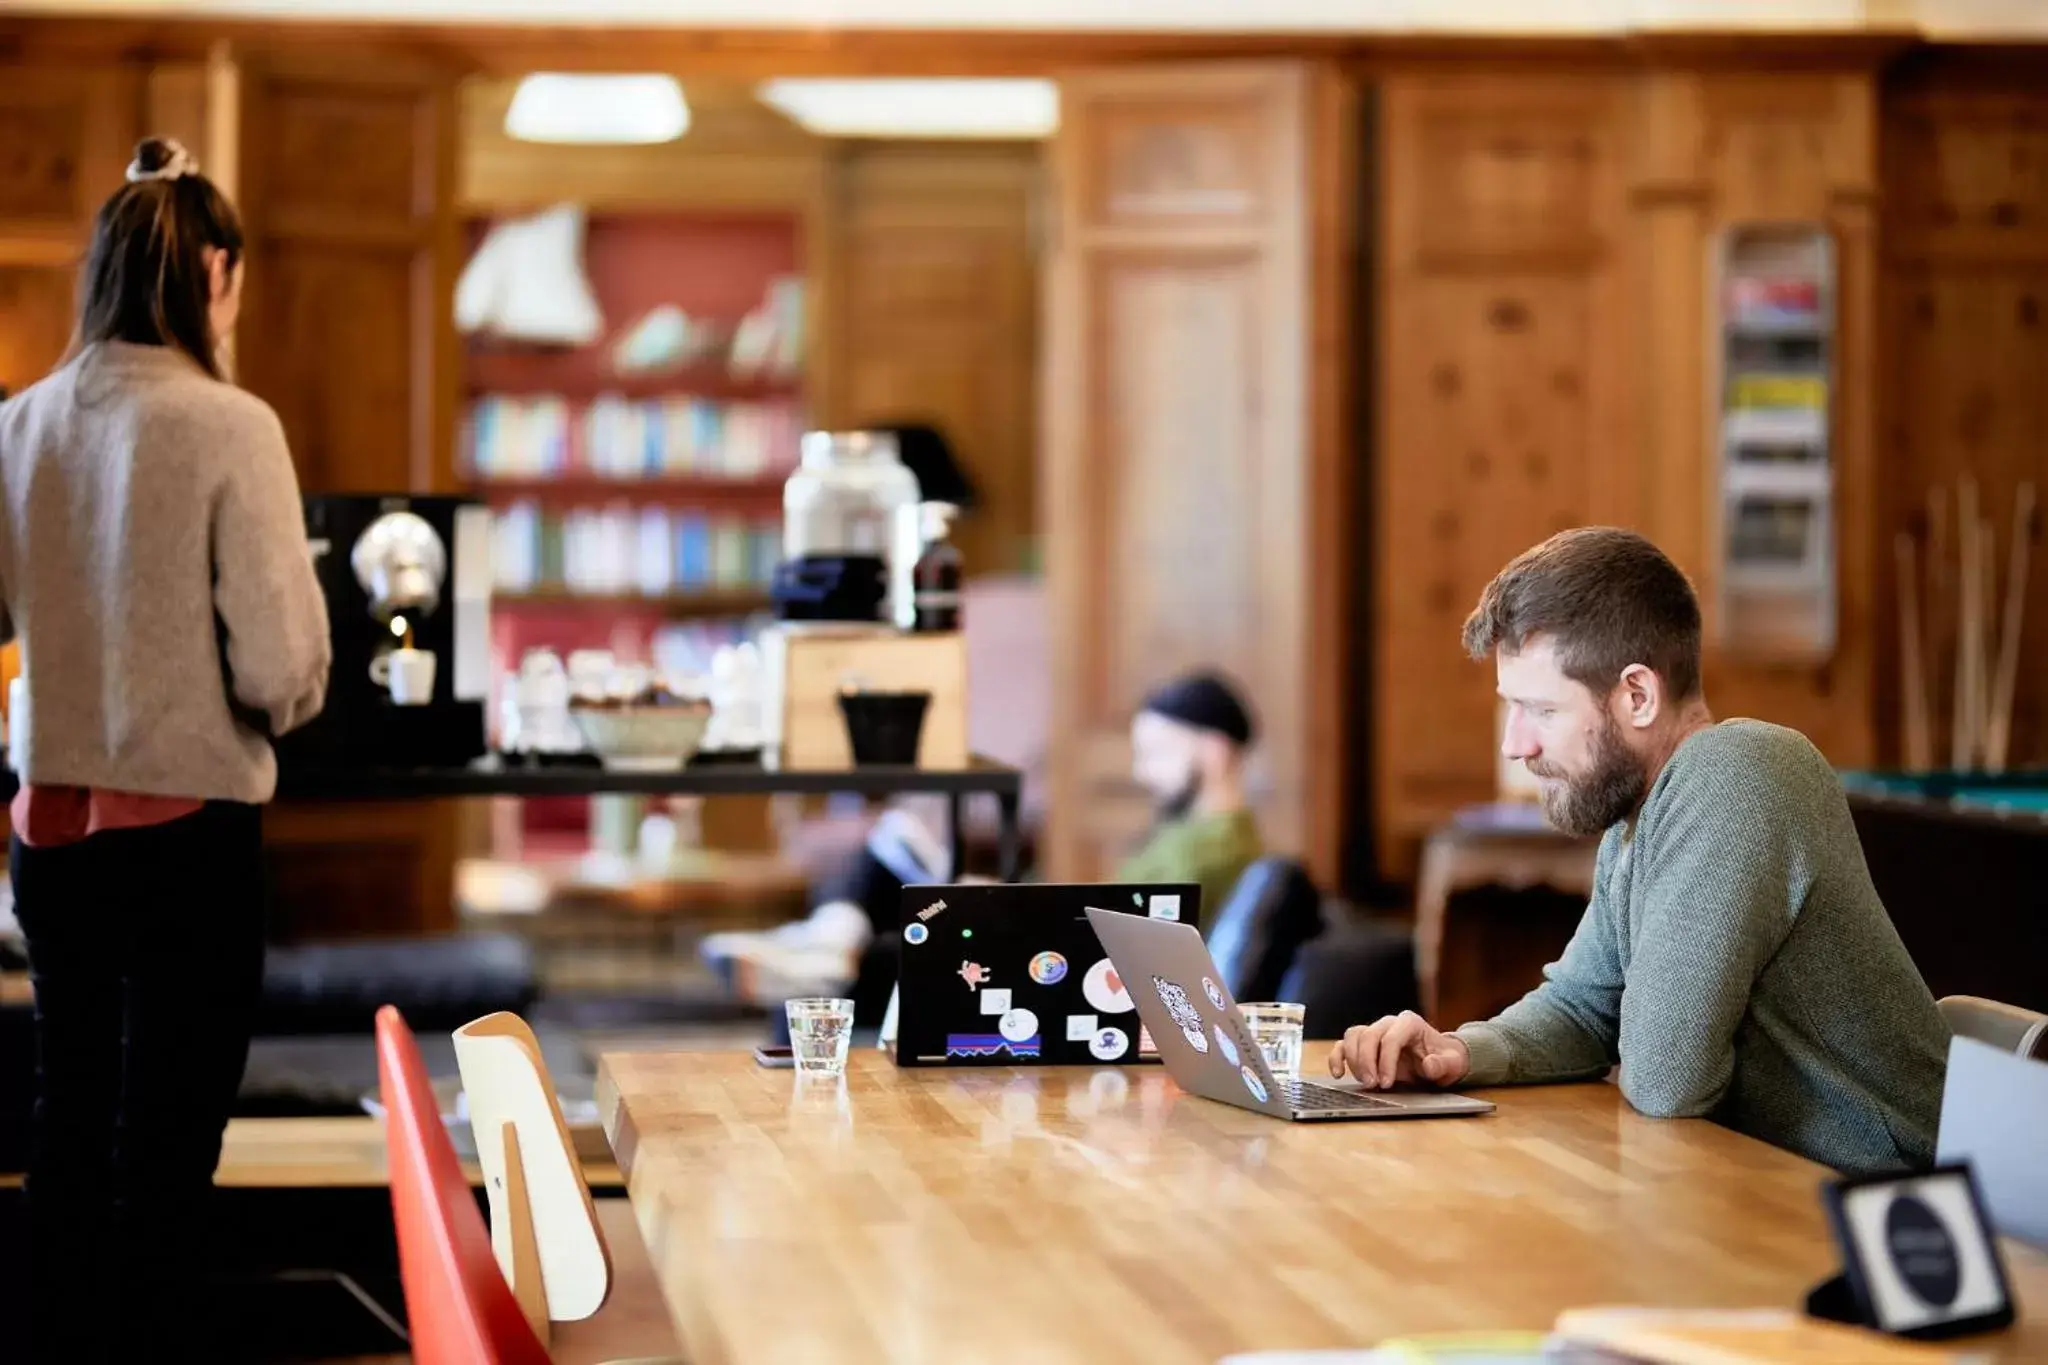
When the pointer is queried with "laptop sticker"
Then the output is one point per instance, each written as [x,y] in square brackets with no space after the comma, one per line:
[989,1045]
[1166,907]
[994,1001]
[1184,1014]
[1048,969]
[935,908]
[1081,1027]
[915,933]
[974,974]
[1109,1044]
[1018,1025]
[1209,988]
[1104,989]
[1225,1046]
[1253,1083]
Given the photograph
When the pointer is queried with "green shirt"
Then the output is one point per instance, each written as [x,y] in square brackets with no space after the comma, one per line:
[1213,850]
[1737,963]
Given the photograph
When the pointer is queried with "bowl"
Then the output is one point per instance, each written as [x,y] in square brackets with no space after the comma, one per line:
[655,738]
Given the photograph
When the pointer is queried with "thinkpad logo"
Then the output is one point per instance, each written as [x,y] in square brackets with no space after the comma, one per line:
[934,908]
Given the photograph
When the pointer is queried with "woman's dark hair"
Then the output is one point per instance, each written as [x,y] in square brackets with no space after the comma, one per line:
[145,278]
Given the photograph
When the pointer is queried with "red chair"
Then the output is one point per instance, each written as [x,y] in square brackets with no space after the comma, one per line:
[462,1311]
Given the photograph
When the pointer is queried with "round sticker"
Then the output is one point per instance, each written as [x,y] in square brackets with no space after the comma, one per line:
[1253,1083]
[1048,969]
[1019,1026]
[915,933]
[1109,1044]
[1922,1251]
[1215,995]
[1105,989]
[1225,1046]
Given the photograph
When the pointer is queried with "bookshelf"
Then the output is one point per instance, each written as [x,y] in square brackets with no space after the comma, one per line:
[638,508]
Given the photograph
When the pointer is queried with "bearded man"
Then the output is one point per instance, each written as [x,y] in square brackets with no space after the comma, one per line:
[1734,959]
[1188,745]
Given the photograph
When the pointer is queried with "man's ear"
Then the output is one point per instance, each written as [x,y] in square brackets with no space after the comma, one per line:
[1640,698]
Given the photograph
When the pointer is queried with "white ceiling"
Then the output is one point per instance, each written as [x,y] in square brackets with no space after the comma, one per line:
[1979,17]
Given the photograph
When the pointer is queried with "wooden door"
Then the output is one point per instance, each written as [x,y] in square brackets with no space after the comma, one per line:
[1180,456]
[1503,412]
[348,191]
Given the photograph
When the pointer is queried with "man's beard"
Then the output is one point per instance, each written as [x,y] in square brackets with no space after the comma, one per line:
[1608,792]
[1177,806]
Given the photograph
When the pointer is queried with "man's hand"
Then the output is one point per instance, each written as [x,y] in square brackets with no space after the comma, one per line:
[1401,1049]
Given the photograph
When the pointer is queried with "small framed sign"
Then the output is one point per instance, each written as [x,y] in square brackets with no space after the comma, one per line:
[1918,1255]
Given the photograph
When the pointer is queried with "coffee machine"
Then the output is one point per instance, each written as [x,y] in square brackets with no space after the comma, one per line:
[405,578]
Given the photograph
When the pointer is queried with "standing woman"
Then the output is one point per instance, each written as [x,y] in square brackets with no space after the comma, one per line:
[154,565]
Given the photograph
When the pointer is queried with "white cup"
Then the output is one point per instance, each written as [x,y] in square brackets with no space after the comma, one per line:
[408,673]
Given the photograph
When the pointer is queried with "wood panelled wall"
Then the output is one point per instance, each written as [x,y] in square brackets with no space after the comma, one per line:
[934,259]
[1544,242]
[348,185]
[65,136]
[1964,318]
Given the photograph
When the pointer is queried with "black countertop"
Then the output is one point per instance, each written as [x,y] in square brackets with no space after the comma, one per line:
[492,777]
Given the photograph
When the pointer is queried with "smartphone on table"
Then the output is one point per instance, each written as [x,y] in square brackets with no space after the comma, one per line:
[778,1058]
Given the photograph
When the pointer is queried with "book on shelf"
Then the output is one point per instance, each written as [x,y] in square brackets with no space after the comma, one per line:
[627,439]
[623,550]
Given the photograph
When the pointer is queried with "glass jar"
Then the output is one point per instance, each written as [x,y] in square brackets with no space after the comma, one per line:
[842,500]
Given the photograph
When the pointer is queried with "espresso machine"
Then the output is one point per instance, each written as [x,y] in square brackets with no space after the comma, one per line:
[408,587]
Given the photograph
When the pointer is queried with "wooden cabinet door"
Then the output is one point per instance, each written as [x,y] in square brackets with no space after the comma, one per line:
[348,186]
[1179,459]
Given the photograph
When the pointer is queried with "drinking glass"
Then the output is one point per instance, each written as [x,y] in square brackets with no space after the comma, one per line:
[819,1031]
[1276,1027]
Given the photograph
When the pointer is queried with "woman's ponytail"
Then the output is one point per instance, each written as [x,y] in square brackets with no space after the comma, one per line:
[146,278]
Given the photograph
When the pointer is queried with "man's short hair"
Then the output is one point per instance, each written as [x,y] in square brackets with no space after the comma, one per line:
[1606,598]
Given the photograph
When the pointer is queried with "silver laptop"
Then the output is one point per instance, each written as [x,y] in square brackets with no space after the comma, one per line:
[1167,972]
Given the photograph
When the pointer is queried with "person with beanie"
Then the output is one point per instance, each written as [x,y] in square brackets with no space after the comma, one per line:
[1188,746]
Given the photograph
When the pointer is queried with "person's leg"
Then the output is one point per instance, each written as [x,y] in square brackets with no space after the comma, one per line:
[193,890]
[75,962]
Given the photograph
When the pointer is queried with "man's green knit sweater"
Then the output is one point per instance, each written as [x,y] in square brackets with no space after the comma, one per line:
[1736,961]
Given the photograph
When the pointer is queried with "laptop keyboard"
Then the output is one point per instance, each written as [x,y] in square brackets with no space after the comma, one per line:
[1308,1095]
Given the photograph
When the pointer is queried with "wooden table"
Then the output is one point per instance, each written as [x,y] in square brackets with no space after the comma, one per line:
[321,1153]
[1069,1215]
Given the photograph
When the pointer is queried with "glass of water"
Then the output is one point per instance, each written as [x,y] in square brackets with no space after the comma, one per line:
[1276,1028]
[819,1031]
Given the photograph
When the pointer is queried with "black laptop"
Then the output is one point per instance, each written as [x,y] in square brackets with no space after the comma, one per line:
[1000,975]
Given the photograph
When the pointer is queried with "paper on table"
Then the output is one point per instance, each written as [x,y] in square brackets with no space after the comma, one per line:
[1771,1336]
